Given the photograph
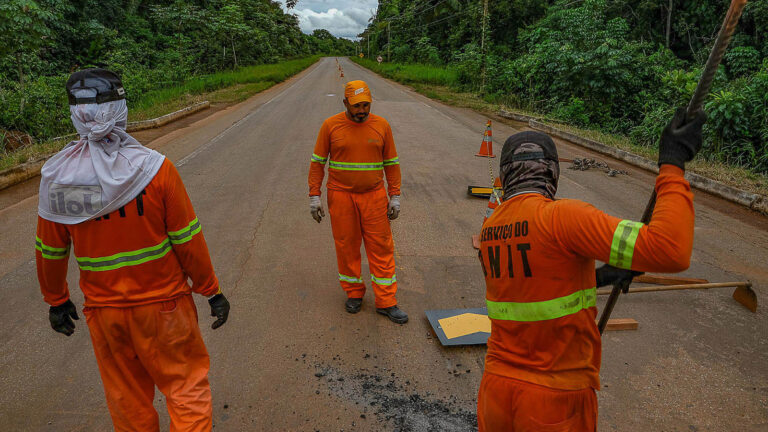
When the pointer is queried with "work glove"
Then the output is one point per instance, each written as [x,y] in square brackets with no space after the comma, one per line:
[219,309]
[61,317]
[316,208]
[681,140]
[393,209]
[610,275]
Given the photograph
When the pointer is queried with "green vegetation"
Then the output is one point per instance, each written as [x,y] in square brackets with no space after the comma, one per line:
[257,78]
[412,73]
[166,51]
[618,67]
[729,174]
[222,87]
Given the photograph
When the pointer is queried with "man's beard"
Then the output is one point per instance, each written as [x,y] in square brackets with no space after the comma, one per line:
[359,118]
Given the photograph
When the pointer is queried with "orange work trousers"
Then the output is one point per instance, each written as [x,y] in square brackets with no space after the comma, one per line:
[140,347]
[357,217]
[509,405]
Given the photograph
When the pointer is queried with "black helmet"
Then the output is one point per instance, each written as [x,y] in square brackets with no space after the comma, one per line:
[94,86]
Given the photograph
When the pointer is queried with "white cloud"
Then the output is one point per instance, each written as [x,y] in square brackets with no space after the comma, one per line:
[343,18]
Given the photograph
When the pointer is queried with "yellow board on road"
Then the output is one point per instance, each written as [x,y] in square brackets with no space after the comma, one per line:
[465,324]
[460,326]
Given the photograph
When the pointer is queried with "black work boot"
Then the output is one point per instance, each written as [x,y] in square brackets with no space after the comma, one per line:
[353,305]
[394,313]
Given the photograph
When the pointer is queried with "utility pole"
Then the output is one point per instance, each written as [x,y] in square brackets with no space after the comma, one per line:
[389,40]
[369,45]
[482,43]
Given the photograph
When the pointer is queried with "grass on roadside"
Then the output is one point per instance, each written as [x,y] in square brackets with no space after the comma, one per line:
[223,87]
[411,73]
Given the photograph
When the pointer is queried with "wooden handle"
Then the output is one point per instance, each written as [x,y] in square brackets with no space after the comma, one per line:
[682,287]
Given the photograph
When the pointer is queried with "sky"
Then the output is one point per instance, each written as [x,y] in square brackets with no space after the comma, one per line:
[343,18]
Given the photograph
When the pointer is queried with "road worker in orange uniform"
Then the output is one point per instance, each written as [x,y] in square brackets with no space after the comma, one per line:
[359,149]
[538,256]
[122,209]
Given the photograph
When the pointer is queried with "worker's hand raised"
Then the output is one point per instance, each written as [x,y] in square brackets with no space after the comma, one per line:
[393,209]
[681,139]
[219,309]
[316,208]
[61,317]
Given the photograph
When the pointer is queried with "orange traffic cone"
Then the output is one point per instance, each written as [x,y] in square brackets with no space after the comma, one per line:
[494,200]
[486,148]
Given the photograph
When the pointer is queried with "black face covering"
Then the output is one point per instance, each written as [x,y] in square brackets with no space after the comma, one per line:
[529,163]
[90,86]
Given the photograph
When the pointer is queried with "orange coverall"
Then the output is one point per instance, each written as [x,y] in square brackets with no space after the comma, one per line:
[538,256]
[358,155]
[134,264]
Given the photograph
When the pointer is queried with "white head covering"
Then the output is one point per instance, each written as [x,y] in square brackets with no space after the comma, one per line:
[103,171]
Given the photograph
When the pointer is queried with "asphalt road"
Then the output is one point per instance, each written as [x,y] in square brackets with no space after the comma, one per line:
[291,359]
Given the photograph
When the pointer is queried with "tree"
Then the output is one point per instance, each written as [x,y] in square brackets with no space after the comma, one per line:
[22,32]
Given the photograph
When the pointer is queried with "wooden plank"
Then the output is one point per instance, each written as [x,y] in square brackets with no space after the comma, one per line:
[667,280]
[615,324]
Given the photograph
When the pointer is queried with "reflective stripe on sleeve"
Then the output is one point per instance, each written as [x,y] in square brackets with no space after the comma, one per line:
[356,166]
[393,161]
[125,259]
[318,159]
[623,245]
[185,234]
[350,279]
[543,310]
[50,252]
[384,281]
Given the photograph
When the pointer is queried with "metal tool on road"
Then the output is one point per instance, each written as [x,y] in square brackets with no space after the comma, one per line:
[694,106]
[743,293]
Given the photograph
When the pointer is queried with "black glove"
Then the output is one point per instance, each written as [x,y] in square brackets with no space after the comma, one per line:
[610,275]
[61,317]
[219,309]
[680,141]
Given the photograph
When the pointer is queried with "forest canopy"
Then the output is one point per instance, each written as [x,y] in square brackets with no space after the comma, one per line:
[621,66]
[151,43]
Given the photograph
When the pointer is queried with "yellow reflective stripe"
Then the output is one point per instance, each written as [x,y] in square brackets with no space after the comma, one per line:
[185,234]
[356,166]
[318,159]
[50,252]
[543,310]
[393,161]
[623,245]
[384,281]
[125,259]
[350,279]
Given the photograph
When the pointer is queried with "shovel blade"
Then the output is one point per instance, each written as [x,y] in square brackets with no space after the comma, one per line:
[747,297]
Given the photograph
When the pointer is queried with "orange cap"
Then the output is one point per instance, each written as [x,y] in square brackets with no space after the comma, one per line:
[356,92]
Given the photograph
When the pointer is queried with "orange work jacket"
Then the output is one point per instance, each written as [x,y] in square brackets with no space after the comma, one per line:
[357,155]
[538,257]
[142,253]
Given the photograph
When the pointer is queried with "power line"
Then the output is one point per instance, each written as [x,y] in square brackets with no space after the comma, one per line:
[390,20]
[413,38]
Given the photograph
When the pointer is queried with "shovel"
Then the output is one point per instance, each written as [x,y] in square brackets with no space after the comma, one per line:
[742,294]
